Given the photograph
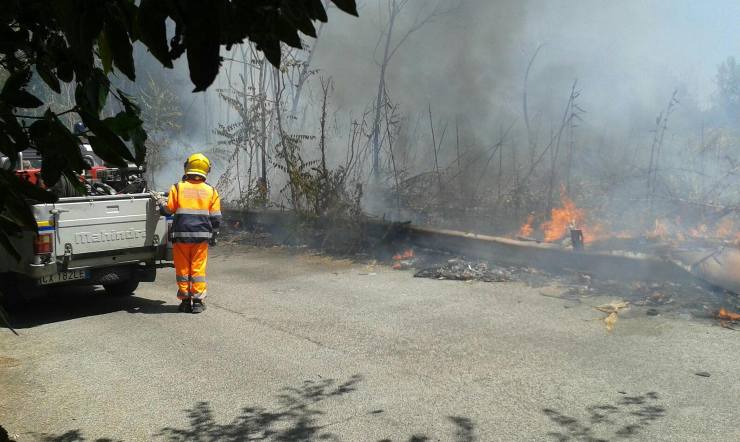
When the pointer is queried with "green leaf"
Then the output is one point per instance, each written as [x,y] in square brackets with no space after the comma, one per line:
[127,102]
[39,130]
[59,149]
[128,124]
[11,127]
[104,151]
[7,146]
[152,19]
[15,82]
[65,70]
[129,11]
[287,33]
[105,53]
[122,123]
[52,168]
[118,40]
[43,68]
[23,99]
[81,23]
[66,143]
[138,137]
[318,11]
[348,6]
[107,140]
[60,57]
[271,48]
[17,209]
[298,17]
[40,135]
[14,93]
[203,44]
[92,94]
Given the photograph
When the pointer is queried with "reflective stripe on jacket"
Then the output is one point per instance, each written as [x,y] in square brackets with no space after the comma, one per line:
[197,209]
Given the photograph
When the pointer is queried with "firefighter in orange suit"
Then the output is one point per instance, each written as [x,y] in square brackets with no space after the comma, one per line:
[196,207]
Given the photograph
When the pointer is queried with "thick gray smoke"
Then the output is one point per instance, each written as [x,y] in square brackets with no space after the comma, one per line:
[627,56]
[468,64]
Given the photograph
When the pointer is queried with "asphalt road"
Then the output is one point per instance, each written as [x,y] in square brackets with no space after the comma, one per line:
[302,347]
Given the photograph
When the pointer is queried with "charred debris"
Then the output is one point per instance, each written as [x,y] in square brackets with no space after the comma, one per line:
[647,284]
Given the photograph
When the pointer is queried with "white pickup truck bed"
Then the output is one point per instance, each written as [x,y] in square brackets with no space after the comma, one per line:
[113,240]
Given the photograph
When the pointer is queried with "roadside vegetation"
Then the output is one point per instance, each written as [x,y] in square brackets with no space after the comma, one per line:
[53,48]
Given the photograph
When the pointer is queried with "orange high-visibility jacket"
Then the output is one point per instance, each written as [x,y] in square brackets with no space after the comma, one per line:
[197,209]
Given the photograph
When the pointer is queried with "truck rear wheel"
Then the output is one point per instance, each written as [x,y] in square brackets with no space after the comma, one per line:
[125,288]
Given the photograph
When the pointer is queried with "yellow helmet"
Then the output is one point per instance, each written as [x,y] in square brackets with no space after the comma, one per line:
[197,164]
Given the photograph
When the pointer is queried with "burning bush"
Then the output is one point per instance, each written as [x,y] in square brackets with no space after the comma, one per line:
[562,220]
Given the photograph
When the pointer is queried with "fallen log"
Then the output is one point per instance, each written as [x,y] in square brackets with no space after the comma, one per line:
[550,256]
[719,267]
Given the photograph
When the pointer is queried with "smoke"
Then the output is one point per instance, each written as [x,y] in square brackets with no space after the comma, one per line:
[628,56]
[468,64]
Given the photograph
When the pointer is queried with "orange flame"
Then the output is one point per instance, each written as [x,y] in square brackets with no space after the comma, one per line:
[728,315]
[660,230]
[725,228]
[593,232]
[526,229]
[401,259]
[562,219]
[624,234]
[406,254]
[700,231]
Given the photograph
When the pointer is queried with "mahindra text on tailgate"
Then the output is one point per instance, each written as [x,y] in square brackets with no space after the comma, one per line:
[102,226]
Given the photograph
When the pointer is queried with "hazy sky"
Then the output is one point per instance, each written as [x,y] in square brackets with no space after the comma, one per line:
[628,56]
[641,50]
[653,42]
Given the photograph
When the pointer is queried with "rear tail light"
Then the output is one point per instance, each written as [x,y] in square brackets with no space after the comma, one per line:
[43,244]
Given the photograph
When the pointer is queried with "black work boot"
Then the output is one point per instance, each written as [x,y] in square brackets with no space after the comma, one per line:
[198,306]
[185,306]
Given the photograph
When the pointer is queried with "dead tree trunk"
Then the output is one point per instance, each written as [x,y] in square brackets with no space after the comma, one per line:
[525,106]
[661,126]
[381,87]
[395,7]
[457,147]
[567,116]
[304,73]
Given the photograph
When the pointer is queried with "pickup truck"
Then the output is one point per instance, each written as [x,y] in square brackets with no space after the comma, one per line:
[113,240]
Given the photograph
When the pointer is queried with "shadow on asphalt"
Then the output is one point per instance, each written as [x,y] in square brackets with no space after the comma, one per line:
[72,436]
[70,303]
[622,419]
[464,432]
[294,418]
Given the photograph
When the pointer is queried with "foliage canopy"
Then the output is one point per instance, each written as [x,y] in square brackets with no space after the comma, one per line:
[83,42]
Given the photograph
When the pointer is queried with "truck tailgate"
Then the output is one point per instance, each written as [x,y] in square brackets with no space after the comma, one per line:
[98,224]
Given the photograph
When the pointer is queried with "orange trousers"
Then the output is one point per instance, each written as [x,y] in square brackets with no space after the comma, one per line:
[190,269]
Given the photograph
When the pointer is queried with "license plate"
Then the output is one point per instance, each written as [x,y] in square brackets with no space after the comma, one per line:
[71,275]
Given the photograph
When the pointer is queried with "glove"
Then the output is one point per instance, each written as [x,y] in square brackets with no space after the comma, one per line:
[158,199]
[214,239]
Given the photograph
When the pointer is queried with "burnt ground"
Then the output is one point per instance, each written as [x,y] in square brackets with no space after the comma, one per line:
[695,301]
[301,346]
